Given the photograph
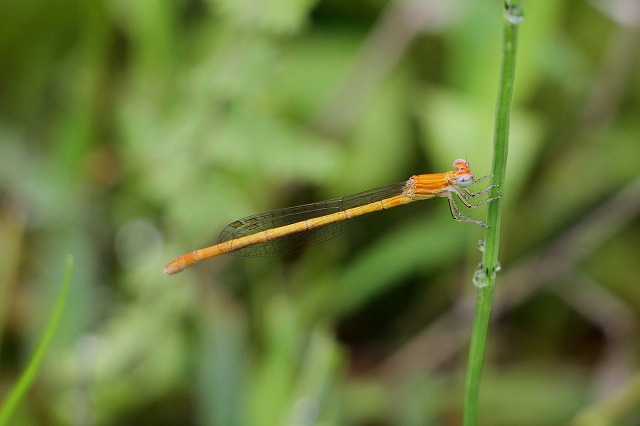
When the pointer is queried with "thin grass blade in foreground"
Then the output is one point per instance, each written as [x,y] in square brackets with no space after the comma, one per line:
[486,274]
[28,376]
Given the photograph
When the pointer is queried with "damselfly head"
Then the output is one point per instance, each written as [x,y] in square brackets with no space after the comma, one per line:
[461,165]
[464,175]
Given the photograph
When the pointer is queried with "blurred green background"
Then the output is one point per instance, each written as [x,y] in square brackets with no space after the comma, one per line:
[132,132]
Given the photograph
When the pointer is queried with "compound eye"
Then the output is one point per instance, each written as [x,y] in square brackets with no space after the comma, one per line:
[464,180]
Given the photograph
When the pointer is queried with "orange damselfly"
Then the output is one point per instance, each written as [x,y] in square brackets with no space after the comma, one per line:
[278,231]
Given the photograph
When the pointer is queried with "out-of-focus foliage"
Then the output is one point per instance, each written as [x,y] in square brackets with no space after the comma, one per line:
[131,132]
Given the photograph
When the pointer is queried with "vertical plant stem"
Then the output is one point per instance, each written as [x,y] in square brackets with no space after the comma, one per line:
[486,274]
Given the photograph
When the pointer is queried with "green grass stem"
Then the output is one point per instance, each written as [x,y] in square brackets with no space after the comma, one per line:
[26,379]
[485,276]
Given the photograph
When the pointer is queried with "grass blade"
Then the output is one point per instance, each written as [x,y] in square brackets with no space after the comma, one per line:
[33,367]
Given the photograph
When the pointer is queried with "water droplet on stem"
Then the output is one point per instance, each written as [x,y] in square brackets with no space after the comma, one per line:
[513,14]
[480,277]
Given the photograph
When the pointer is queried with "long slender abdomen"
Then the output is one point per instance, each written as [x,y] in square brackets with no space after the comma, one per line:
[182,262]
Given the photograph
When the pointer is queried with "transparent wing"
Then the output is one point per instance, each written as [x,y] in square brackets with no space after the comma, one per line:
[295,242]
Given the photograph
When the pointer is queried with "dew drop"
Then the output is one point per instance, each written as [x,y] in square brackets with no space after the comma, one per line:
[513,14]
[480,277]
[481,245]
